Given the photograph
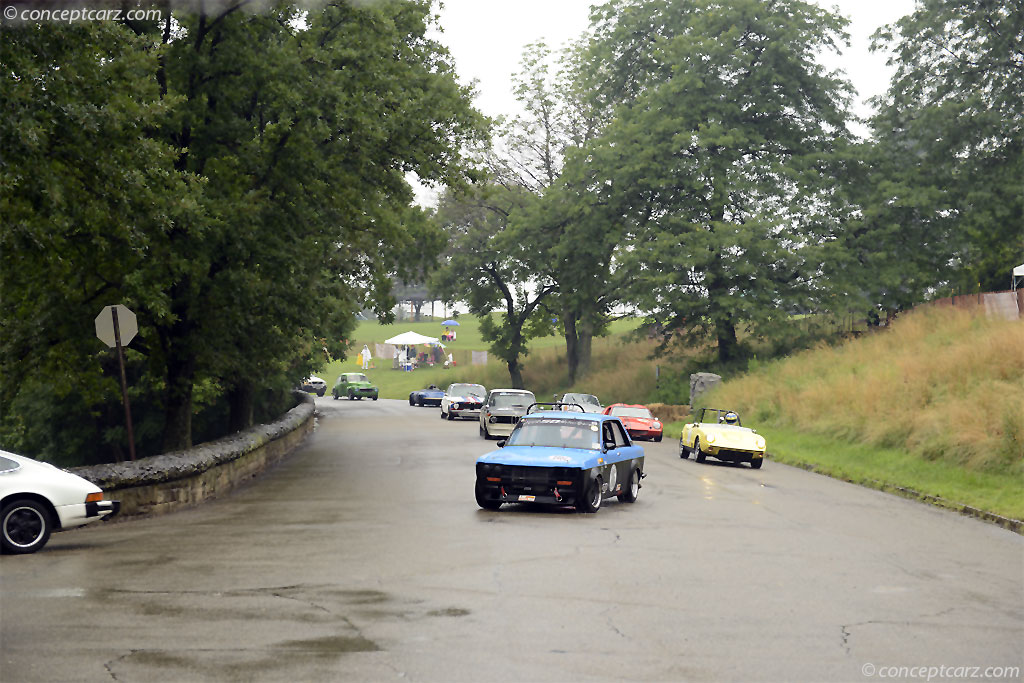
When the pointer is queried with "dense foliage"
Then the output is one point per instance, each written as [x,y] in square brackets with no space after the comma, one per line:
[236,178]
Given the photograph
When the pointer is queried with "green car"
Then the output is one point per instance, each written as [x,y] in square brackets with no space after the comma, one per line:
[354,385]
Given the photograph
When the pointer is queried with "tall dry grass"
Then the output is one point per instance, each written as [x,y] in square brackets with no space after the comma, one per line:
[942,384]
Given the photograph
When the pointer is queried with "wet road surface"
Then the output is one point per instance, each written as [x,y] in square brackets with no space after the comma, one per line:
[363,557]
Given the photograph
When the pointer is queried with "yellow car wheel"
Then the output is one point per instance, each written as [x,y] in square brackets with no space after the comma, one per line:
[697,452]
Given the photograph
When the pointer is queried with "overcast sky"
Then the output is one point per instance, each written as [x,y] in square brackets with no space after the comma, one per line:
[486,39]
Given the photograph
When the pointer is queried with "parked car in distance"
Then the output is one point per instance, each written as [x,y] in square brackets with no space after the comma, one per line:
[431,396]
[561,458]
[313,385]
[638,421]
[717,432]
[462,400]
[37,499]
[588,402]
[354,385]
[502,410]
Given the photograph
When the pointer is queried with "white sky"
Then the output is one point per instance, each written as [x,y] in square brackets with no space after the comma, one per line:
[486,39]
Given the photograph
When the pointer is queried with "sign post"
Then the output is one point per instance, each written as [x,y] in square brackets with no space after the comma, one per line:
[117,326]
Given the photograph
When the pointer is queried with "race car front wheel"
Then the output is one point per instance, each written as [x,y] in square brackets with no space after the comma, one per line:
[755,463]
[633,488]
[483,501]
[698,454]
[591,500]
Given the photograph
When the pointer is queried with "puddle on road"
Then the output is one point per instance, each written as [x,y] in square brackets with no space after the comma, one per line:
[332,645]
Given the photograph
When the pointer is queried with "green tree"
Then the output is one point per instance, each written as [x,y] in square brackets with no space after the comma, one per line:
[86,195]
[492,265]
[948,194]
[538,150]
[719,157]
[236,177]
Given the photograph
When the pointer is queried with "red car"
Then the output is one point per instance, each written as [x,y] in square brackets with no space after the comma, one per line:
[637,420]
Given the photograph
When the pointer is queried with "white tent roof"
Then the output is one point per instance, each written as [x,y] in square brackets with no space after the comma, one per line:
[1019,271]
[412,338]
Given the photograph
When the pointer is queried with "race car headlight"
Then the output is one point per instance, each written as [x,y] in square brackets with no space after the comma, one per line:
[760,443]
[711,438]
[657,425]
[492,419]
[455,406]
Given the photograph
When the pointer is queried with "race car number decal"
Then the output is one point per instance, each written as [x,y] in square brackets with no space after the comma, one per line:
[560,458]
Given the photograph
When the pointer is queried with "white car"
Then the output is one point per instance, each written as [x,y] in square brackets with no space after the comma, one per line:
[462,400]
[588,402]
[314,385]
[37,498]
[502,411]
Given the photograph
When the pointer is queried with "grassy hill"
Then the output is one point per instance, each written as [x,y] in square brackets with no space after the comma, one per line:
[935,404]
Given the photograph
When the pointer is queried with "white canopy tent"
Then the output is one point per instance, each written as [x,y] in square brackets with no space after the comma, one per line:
[1018,277]
[411,339]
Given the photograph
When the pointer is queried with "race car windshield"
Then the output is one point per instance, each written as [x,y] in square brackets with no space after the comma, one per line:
[512,400]
[586,399]
[357,378]
[467,390]
[631,412]
[557,434]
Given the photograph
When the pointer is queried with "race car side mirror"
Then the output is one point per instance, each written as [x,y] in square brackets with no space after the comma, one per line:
[501,444]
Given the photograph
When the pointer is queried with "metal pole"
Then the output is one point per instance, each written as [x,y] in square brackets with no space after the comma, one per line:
[124,385]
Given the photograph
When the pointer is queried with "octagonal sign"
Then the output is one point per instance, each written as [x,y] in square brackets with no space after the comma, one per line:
[127,325]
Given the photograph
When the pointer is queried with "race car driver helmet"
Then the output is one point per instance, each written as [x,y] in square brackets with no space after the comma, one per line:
[731,418]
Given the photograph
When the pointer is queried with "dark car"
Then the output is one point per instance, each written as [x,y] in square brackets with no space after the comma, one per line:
[561,458]
[431,396]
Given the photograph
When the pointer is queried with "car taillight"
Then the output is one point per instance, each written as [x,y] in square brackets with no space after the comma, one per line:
[94,497]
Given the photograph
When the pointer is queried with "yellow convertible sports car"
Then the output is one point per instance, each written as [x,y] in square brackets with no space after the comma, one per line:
[718,433]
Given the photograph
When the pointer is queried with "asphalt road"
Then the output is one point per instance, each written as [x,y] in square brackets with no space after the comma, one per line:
[364,557]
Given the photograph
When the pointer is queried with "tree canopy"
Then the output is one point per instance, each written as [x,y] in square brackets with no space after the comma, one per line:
[237,178]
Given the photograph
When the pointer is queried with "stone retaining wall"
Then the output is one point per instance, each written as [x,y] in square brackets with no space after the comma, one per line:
[171,481]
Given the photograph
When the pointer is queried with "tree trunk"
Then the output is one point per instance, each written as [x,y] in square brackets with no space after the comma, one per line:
[571,343]
[727,344]
[585,341]
[515,374]
[178,401]
[240,405]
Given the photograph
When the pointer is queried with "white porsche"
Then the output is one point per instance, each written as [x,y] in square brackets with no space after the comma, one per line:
[37,499]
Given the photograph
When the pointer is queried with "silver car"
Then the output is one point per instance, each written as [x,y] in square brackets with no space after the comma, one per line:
[589,402]
[502,411]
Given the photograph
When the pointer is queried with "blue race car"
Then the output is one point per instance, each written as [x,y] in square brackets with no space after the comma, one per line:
[431,396]
[561,458]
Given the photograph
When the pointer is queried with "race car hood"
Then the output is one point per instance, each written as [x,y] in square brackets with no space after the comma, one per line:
[507,411]
[468,398]
[638,422]
[542,456]
[730,436]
